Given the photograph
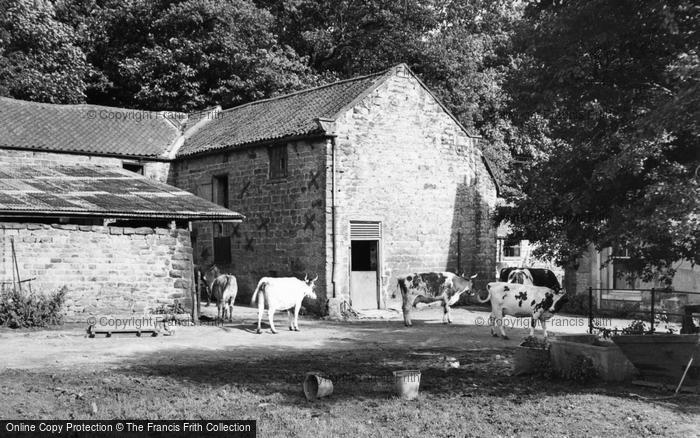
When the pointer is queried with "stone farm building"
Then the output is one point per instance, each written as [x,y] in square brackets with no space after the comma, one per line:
[358,182]
[74,216]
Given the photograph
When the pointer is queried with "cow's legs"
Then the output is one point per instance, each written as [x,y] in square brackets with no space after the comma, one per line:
[406,307]
[296,317]
[289,318]
[271,319]
[446,312]
[544,328]
[503,330]
[492,324]
[533,322]
[261,309]
[497,320]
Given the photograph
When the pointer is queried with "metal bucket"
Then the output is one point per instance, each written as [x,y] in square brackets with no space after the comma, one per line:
[316,386]
[407,383]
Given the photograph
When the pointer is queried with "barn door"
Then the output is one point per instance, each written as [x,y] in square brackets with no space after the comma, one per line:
[365,261]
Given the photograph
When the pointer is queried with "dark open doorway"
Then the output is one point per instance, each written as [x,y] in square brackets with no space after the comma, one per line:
[364,275]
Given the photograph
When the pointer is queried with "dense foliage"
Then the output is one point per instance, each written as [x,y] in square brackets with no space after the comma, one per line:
[40,58]
[616,84]
[588,109]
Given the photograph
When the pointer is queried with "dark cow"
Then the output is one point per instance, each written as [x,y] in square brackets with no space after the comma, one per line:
[538,276]
[201,283]
[522,300]
[430,287]
[208,276]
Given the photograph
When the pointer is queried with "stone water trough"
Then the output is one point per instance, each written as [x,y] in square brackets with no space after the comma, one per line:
[608,359]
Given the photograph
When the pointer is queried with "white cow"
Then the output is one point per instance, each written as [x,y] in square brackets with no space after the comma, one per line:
[522,300]
[282,294]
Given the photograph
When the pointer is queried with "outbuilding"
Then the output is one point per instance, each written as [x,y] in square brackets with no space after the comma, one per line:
[359,182]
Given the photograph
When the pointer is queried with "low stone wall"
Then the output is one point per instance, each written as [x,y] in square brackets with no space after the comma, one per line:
[107,270]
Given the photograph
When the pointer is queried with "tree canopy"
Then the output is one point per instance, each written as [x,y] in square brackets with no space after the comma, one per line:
[40,58]
[615,85]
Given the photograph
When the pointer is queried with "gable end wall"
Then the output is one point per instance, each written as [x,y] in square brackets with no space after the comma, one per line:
[403,161]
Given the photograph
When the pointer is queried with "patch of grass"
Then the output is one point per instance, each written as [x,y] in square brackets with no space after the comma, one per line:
[477,399]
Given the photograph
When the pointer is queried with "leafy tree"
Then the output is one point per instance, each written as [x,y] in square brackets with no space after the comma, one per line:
[185,55]
[355,37]
[40,59]
[612,89]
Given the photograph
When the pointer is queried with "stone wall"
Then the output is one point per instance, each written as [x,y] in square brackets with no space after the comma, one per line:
[107,270]
[403,161]
[284,230]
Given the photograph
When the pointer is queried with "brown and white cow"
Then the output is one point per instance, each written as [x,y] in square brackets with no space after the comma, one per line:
[429,287]
[522,300]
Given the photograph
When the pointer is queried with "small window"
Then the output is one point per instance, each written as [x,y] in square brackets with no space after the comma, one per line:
[133,167]
[220,190]
[511,247]
[278,161]
[623,277]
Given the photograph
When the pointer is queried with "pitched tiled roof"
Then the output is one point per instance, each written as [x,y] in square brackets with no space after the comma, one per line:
[279,117]
[98,191]
[87,129]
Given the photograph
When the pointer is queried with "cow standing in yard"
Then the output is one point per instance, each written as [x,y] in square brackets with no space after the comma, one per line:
[522,300]
[224,288]
[282,294]
[533,276]
[429,287]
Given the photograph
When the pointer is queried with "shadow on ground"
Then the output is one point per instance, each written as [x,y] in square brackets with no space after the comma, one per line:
[361,365]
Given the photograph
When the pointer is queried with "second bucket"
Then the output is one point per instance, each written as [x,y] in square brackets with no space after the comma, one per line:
[407,383]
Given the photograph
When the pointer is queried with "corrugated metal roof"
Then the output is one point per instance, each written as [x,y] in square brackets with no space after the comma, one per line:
[98,191]
[290,115]
[87,129]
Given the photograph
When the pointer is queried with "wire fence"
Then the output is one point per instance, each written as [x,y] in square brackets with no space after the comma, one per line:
[645,304]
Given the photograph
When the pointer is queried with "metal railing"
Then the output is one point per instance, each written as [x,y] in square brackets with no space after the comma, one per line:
[655,294]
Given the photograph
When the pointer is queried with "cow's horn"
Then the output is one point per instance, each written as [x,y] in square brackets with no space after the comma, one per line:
[306,277]
[315,278]
[474,276]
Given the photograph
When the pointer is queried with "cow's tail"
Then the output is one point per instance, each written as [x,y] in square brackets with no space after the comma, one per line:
[259,288]
[231,290]
[488,295]
[402,286]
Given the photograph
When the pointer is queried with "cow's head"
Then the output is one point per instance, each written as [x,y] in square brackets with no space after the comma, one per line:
[465,283]
[552,302]
[560,298]
[310,286]
[520,276]
[211,274]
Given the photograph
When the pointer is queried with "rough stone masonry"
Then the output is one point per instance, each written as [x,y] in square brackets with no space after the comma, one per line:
[107,270]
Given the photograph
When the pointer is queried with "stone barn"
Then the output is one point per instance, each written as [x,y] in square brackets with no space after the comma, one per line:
[358,182]
[75,210]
